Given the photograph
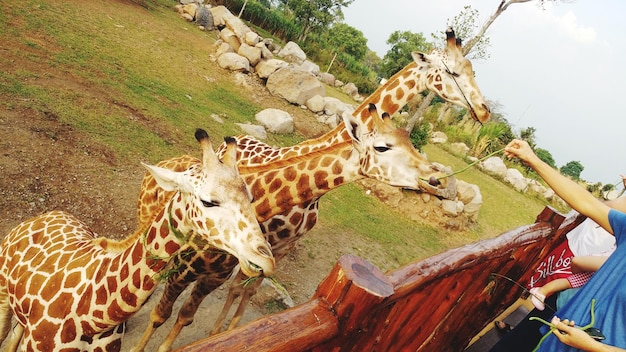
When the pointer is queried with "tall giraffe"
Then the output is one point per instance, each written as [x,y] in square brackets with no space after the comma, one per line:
[70,290]
[314,167]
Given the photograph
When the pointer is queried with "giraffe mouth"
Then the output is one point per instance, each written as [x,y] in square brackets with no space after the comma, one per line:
[440,187]
[251,269]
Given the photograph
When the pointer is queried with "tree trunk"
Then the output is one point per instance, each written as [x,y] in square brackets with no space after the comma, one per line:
[420,111]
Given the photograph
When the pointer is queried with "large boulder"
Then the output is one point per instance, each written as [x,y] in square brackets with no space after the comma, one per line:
[328,78]
[438,137]
[275,120]
[315,104]
[255,131]
[233,62]
[494,166]
[266,67]
[516,179]
[311,67]
[253,54]
[204,17]
[292,53]
[294,85]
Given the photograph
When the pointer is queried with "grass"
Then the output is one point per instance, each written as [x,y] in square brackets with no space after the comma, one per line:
[139,80]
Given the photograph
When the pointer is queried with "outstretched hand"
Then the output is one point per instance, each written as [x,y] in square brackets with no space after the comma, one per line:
[520,149]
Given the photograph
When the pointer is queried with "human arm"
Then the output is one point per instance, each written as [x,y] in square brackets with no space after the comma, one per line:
[587,263]
[572,193]
[577,338]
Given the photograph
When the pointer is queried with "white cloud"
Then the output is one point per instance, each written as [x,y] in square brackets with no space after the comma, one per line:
[567,25]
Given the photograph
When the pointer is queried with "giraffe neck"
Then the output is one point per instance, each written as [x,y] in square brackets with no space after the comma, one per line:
[278,186]
[390,97]
[140,261]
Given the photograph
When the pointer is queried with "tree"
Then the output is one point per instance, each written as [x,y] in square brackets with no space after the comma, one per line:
[403,43]
[347,39]
[545,156]
[572,169]
[315,15]
[528,134]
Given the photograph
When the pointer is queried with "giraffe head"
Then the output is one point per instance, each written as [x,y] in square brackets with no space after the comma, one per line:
[387,154]
[218,207]
[451,75]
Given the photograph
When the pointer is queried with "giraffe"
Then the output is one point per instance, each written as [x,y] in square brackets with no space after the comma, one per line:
[286,216]
[72,291]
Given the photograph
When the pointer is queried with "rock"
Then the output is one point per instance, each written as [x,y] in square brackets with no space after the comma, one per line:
[229,37]
[472,208]
[255,131]
[296,86]
[252,39]
[310,67]
[204,17]
[494,166]
[315,104]
[516,179]
[223,48]
[464,191]
[327,78]
[459,148]
[233,62]
[253,54]
[334,106]
[275,120]
[266,67]
[438,137]
[266,54]
[292,53]
[350,89]
[219,13]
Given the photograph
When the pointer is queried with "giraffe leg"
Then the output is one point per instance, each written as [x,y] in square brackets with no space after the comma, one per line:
[15,339]
[162,311]
[5,314]
[205,284]
[248,292]
[234,291]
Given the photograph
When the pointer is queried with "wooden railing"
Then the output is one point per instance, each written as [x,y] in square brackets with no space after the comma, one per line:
[437,304]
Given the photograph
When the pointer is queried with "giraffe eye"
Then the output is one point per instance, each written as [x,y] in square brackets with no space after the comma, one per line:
[382,149]
[209,204]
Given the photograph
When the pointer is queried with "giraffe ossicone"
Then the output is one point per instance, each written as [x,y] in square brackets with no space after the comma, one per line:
[71,290]
[287,182]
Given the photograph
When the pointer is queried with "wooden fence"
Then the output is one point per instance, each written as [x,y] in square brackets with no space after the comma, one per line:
[437,304]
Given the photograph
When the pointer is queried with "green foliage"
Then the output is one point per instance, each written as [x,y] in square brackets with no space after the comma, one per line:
[347,40]
[419,135]
[545,156]
[315,16]
[403,43]
[271,19]
[573,169]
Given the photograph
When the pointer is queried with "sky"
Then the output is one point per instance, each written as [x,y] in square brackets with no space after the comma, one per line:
[560,69]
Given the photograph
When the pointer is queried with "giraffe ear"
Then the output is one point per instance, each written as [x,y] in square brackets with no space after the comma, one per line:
[420,57]
[354,128]
[209,157]
[167,179]
[230,155]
